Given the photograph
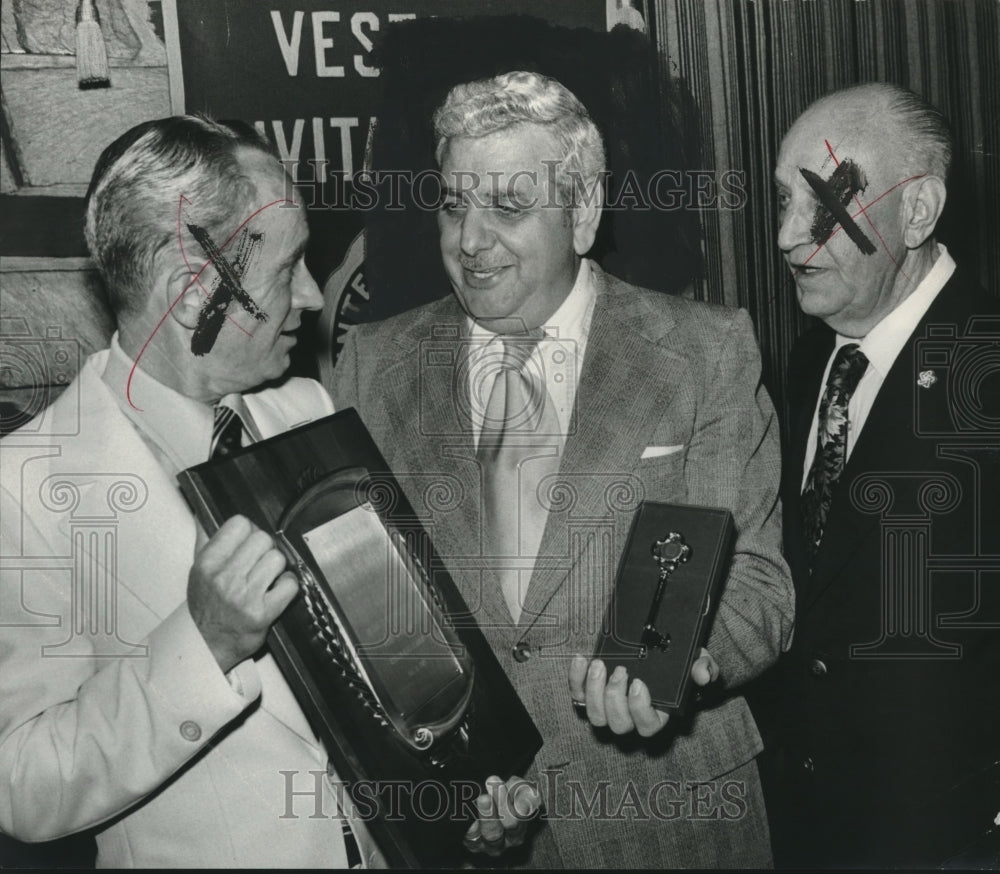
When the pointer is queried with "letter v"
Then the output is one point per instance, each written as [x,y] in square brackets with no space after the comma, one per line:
[289,47]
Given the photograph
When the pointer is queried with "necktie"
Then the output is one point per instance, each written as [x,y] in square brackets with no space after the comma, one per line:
[849,366]
[227,430]
[518,447]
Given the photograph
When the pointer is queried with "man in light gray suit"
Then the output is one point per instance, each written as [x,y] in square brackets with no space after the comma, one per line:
[526,451]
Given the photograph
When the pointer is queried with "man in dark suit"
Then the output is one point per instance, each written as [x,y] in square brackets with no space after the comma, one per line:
[890,717]
[626,394]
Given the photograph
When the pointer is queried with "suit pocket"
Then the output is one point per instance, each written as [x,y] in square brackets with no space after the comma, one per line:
[663,477]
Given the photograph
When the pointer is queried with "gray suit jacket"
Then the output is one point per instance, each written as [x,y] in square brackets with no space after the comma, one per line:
[659,371]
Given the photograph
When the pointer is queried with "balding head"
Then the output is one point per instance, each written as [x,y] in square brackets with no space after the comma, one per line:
[861,184]
[913,133]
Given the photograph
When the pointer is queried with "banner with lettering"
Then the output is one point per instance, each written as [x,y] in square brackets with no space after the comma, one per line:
[304,73]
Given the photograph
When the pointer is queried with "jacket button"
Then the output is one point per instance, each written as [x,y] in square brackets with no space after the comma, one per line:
[817,667]
[808,764]
[190,730]
[522,651]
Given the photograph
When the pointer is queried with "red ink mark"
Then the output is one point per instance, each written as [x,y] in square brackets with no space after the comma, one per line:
[871,224]
[862,211]
[195,279]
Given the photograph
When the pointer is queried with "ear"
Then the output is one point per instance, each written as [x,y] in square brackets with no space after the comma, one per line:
[923,203]
[181,292]
[587,216]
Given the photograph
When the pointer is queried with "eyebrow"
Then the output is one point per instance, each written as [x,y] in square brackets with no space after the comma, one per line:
[502,198]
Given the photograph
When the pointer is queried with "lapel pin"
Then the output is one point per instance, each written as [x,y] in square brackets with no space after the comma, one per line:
[926,379]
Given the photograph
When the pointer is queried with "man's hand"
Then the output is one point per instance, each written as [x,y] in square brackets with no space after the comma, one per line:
[608,701]
[504,811]
[230,594]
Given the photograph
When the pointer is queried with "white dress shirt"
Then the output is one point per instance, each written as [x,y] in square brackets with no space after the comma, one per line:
[558,356]
[881,345]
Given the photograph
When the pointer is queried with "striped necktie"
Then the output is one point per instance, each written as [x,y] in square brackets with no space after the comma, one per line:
[227,430]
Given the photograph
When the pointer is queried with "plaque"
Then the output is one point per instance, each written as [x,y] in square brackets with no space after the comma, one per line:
[669,580]
[379,647]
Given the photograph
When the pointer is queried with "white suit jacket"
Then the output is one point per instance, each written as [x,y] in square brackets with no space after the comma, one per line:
[113,712]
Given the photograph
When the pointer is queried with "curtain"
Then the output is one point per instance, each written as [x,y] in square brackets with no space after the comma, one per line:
[753,65]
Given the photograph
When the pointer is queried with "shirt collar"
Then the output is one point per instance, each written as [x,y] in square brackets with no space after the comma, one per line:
[181,427]
[570,322]
[883,343]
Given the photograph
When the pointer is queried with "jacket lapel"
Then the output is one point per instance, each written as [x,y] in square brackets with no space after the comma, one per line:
[434,455]
[611,426]
[888,442]
[159,513]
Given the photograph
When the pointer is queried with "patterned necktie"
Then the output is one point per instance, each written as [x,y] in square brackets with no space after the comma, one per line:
[518,447]
[849,366]
[227,430]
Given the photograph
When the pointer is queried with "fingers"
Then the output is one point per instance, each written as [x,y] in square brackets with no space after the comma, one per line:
[504,810]
[704,670]
[524,798]
[236,589]
[577,678]
[266,566]
[473,840]
[648,720]
[490,803]
[611,702]
[486,834]
[252,550]
[224,542]
[595,685]
[280,595]
[616,705]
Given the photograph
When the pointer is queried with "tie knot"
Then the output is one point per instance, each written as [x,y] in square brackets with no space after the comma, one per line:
[849,365]
[517,348]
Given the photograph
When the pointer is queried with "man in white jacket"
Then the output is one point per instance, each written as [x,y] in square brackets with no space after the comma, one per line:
[135,699]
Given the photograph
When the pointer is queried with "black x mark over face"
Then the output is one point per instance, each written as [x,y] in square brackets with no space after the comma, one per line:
[227,285]
[841,218]
[835,195]
[260,266]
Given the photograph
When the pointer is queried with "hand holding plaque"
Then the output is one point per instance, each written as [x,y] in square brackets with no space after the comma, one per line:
[377,645]
[669,581]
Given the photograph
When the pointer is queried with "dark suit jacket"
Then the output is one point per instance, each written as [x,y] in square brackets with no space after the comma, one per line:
[891,722]
[658,371]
